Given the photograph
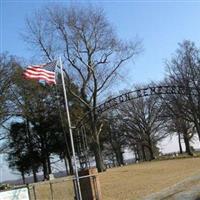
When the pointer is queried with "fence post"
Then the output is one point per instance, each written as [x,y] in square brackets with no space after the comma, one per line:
[29,194]
[51,188]
[35,198]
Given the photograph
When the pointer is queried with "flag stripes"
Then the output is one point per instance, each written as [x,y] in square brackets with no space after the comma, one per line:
[38,72]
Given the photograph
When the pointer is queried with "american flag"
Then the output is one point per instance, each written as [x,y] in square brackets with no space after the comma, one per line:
[44,72]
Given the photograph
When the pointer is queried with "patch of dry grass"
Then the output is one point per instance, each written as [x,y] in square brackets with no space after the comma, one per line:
[136,181]
[129,182]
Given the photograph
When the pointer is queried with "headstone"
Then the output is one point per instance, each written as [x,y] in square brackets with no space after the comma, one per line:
[51,177]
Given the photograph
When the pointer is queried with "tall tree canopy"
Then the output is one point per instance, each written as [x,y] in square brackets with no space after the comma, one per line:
[184,69]
[91,51]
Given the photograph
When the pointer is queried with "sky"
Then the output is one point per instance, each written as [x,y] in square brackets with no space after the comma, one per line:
[160,25]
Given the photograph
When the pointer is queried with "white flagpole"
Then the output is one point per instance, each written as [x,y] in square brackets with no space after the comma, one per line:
[71,134]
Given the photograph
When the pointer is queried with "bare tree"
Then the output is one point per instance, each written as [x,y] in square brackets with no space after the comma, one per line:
[144,124]
[184,69]
[184,130]
[115,140]
[91,52]
[8,65]
[178,124]
[4,85]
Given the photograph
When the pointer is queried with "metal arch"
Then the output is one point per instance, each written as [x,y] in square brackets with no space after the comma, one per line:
[157,90]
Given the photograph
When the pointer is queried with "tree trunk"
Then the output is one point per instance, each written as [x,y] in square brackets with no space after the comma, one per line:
[45,173]
[151,153]
[96,146]
[150,147]
[23,177]
[49,165]
[198,130]
[187,145]
[34,174]
[95,136]
[135,155]
[113,160]
[98,157]
[119,156]
[144,158]
[138,153]
[34,168]
[179,142]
